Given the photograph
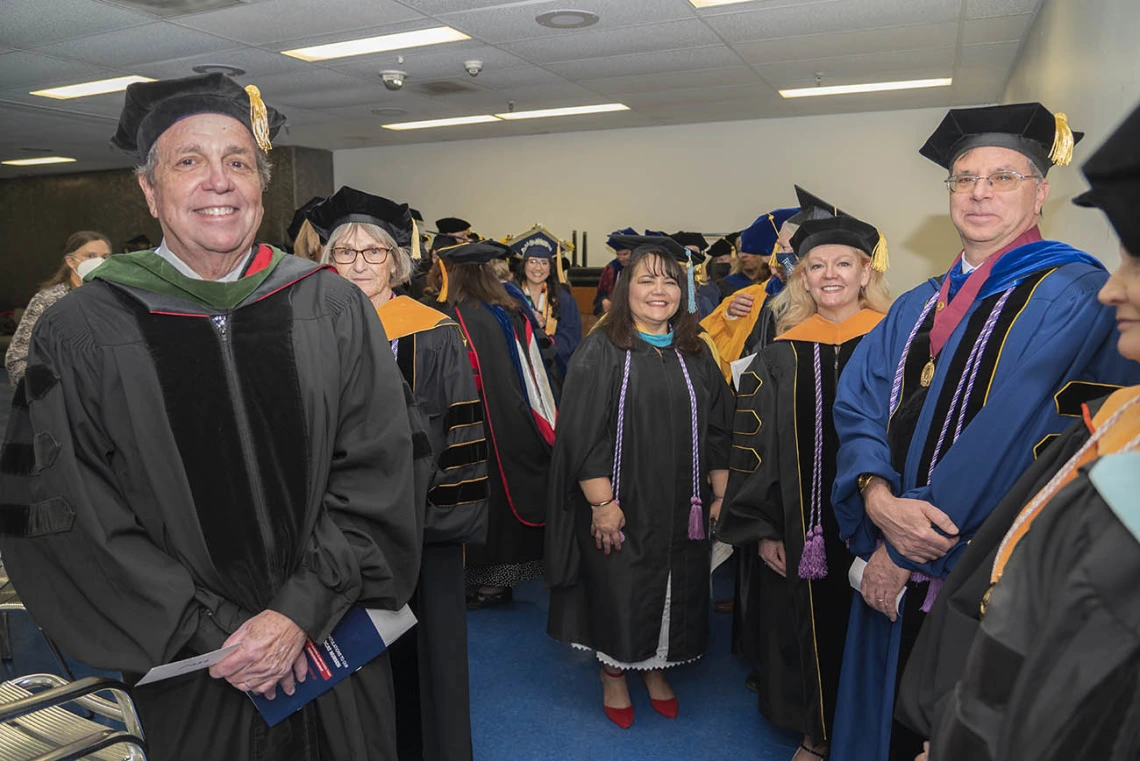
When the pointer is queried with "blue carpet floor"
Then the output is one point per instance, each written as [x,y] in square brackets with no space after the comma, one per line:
[533,698]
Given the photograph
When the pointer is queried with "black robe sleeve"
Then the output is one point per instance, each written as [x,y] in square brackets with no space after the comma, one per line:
[583,448]
[89,574]
[457,501]
[753,508]
[366,544]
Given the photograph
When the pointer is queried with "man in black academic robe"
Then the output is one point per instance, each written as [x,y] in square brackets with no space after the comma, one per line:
[206,452]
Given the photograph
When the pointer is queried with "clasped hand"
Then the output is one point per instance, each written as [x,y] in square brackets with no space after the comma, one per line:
[270,654]
[882,582]
[740,305]
[606,527]
[909,525]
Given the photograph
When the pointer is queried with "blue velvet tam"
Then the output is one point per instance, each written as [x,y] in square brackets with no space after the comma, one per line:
[612,241]
[760,238]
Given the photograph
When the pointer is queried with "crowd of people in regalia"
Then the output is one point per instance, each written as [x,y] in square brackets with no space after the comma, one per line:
[930,494]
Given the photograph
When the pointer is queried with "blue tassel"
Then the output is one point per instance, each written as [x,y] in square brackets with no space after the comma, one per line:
[692,286]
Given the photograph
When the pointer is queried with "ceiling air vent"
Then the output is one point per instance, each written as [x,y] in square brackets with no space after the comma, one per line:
[173,8]
[439,87]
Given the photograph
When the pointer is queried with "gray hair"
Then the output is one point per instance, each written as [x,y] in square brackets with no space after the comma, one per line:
[401,265]
[147,169]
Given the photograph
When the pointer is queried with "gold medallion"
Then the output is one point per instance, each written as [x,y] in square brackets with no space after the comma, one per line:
[927,373]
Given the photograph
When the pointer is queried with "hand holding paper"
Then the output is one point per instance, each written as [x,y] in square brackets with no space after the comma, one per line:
[881,582]
[269,646]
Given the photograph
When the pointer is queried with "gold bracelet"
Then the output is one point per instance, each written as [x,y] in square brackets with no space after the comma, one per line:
[864,481]
[596,505]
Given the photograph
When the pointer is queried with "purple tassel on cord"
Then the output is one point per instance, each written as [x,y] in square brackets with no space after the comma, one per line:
[813,563]
[932,590]
[696,519]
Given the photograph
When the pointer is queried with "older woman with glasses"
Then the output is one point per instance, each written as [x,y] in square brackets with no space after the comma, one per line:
[368,240]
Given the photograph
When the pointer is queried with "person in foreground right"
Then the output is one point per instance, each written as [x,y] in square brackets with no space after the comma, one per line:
[1054,671]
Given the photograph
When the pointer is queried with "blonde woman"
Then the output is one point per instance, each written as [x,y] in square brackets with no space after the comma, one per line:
[782,466]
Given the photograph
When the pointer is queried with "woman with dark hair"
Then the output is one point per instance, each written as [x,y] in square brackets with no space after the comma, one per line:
[369,241]
[551,301]
[783,465]
[512,360]
[640,467]
[83,246]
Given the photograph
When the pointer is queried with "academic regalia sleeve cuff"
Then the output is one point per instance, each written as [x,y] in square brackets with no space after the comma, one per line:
[308,603]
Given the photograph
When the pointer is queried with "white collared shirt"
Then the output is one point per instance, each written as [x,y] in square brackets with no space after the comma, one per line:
[230,277]
[967,268]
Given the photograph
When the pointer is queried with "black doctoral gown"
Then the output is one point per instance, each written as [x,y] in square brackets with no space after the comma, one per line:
[180,458]
[615,603]
[939,656]
[800,625]
[433,705]
[1054,671]
[518,458]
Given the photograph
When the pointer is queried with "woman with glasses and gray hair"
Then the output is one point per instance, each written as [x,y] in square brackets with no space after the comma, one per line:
[369,240]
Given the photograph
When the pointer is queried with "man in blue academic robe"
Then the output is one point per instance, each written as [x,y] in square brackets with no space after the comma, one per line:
[949,400]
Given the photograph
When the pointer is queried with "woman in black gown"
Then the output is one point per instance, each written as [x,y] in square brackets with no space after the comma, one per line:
[639,468]
[782,467]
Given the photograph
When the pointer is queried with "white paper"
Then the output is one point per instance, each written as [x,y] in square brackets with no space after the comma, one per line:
[391,624]
[189,665]
[720,553]
[738,368]
[855,579]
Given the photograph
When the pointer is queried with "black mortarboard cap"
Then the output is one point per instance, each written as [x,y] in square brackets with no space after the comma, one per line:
[846,231]
[687,239]
[480,252]
[1113,173]
[300,215]
[1028,128]
[722,247]
[416,215]
[813,207]
[451,225]
[151,108]
[657,244]
[352,205]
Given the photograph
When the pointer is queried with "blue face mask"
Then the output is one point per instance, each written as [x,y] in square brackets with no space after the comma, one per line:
[787,262]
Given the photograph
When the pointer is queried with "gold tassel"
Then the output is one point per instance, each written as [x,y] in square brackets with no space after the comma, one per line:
[259,118]
[415,247]
[442,297]
[1063,143]
[558,264]
[880,257]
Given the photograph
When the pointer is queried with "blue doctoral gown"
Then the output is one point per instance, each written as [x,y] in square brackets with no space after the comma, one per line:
[1049,333]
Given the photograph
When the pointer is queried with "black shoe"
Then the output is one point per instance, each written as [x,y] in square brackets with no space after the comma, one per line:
[478,599]
[753,681]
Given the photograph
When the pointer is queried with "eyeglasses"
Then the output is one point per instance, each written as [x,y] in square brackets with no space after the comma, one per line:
[1002,182]
[538,262]
[372,254]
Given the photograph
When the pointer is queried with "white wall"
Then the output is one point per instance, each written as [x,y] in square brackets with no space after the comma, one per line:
[1082,58]
[706,177]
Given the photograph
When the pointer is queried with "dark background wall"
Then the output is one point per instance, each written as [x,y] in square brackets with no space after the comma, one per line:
[38,213]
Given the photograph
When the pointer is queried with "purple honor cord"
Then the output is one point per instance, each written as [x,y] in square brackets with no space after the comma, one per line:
[813,561]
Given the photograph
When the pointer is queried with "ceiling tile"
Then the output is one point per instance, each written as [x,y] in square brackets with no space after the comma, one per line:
[124,48]
[431,63]
[915,64]
[825,18]
[989,8]
[681,80]
[526,76]
[509,23]
[999,56]
[317,89]
[916,37]
[32,71]
[256,62]
[997,29]
[30,24]
[587,44]
[696,98]
[275,20]
[712,57]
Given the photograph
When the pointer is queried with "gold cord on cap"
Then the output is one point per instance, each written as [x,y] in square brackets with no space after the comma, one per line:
[443,275]
[416,251]
[880,257]
[259,118]
[1063,143]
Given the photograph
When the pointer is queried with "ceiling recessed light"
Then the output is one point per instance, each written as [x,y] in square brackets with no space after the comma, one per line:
[567,19]
[433,36]
[218,68]
[715,3]
[454,121]
[571,111]
[37,162]
[82,90]
[910,84]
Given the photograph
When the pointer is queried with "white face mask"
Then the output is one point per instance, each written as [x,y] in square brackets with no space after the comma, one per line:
[87,266]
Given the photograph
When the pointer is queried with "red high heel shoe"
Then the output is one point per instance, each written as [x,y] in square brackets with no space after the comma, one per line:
[668,708]
[623,717]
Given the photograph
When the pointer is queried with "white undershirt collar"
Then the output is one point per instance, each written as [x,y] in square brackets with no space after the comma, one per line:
[230,277]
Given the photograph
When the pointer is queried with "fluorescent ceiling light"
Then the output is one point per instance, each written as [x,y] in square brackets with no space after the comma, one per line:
[38,161]
[572,111]
[912,84]
[454,121]
[715,3]
[102,87]
[433,36]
